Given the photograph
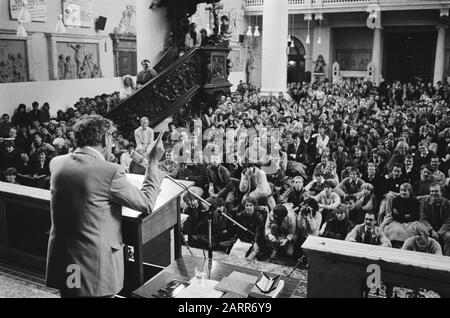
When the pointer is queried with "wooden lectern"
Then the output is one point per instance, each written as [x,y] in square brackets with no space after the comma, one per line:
[25,223]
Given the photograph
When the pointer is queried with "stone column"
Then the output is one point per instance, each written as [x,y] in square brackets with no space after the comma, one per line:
[440,54]
[376,54]
[274,46]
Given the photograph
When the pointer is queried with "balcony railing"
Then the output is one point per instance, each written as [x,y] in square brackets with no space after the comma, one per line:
[356,5]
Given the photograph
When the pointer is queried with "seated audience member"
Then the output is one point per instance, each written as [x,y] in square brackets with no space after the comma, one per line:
[411,173]
[144,136]
[220,226]
[405,211]
[11,175]
[309,220]
[220,183]
[435,214]
[320,167]
[168,166]
[196,217]
[254,184]
[295,193]
[316,186]
[393,184]
[423,156]
[421,241]
[350,185]
[60,145]
[8,158]
[120,146]
[46,136]
[378,182]
[257,152]
[254,219]
[41,165]
[368,232]
[39,144]
[145,75]
[328,200]
[340,156]
[338,226]
[125,158]
[5,126]
[366,200]
[24,166]
[297,157]
[437,175]
[128,87]
[354,212]
[280,231]
[422,188]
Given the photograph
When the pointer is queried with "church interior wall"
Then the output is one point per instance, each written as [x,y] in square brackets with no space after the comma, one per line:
[41,86]
[59,94]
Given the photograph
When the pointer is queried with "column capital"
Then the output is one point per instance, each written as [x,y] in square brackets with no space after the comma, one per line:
[444,12]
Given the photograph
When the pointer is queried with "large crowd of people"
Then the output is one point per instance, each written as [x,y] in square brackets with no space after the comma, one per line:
[347,161]
[31,138]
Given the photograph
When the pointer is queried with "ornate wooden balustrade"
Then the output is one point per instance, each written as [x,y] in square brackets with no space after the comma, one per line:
[199,70]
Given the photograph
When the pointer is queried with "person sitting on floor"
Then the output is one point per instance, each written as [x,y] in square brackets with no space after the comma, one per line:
[328,200]
[309,220]
[338,225]
[280,230]
[254,219]
[421,242]
[435,214]
[295,193]
[405,210]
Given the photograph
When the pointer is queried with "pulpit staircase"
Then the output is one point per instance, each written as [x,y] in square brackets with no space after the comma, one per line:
[198,71]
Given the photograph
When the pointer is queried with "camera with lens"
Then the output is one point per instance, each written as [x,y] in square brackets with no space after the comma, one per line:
[306,210]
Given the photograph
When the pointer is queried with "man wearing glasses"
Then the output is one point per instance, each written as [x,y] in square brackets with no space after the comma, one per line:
[87,195]
[368,232]
[146,74]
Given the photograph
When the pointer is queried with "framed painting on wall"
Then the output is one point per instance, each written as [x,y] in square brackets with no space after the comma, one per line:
[77,60]
[13,61]
[353,60]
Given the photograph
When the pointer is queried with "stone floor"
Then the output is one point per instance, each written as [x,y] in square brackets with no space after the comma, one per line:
[20,283]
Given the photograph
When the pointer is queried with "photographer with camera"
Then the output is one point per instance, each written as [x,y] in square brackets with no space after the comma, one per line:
[309,220]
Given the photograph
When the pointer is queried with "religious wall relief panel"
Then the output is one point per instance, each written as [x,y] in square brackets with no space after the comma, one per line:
[353,60]
[13,61]
[78,60]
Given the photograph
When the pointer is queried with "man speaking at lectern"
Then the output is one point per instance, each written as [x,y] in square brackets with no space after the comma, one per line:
[87,195]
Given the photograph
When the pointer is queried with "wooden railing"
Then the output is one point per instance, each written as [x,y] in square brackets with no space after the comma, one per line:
[200,68]
[358,5]
[167,58]
[340,269]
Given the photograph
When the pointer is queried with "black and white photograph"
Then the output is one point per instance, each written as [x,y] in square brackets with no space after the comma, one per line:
[223,156]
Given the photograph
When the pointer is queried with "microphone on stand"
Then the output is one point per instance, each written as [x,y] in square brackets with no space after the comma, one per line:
[141,160]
